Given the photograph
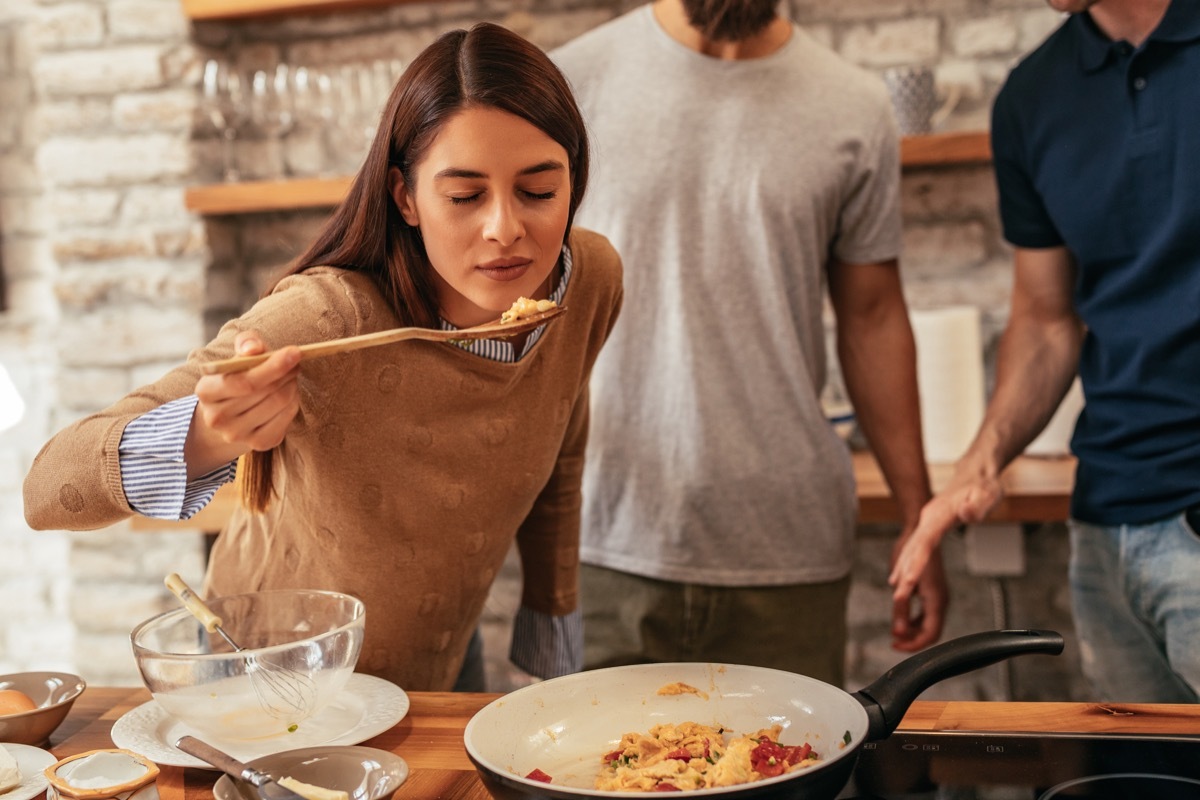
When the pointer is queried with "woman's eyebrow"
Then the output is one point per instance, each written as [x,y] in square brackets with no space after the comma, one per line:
[549,165]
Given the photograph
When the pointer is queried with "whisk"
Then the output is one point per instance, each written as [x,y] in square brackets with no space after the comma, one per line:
[282,692]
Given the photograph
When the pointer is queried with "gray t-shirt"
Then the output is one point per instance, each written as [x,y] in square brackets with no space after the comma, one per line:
[726,186]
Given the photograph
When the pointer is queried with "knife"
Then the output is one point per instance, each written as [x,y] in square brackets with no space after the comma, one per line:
[267,787]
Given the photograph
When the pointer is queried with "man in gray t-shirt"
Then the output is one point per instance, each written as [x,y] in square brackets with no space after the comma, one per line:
[744,172]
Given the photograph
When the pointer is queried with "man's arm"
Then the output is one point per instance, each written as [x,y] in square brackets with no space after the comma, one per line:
[1036,362]
[878,357]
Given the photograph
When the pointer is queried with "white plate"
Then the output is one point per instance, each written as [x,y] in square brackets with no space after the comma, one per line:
[32,761]
[367,707]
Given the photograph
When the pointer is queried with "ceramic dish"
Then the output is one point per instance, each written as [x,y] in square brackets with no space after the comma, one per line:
[367,707]
[364,773]
[54,693]
[32,761]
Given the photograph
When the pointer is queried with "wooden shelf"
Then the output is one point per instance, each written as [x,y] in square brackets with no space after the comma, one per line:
[255,196]
[939,149]
[245,9]
[946,149]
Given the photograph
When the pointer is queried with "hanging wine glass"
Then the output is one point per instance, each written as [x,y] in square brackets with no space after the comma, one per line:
[224,103]
[315,108]
[272,112]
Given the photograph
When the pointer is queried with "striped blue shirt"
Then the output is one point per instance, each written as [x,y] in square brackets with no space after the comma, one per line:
[154,477]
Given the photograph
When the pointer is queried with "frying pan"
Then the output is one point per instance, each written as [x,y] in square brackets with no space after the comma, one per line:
[564,725]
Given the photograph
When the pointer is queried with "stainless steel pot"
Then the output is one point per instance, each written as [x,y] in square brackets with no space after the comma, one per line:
[563,726]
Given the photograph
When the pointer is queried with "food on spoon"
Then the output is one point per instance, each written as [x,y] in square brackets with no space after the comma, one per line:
[13,701]
[524,307]
[10,772]
[310,792]
[694,756]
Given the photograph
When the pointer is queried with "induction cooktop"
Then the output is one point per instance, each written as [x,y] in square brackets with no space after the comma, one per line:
[961,765]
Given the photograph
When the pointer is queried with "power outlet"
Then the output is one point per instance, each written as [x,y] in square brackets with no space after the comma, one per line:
[995,549]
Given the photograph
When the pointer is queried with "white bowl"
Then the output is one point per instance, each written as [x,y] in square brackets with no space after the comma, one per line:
[364,773]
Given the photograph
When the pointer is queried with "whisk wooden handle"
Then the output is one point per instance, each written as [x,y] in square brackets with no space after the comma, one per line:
[192,602]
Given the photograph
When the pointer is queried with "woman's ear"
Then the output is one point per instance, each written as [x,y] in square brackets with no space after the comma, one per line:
[401,196]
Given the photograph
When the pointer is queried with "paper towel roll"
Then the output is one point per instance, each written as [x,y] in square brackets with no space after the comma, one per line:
[950,379]
[1055,438]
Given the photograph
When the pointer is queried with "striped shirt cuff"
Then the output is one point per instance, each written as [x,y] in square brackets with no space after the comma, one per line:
[153,472]
[546,646]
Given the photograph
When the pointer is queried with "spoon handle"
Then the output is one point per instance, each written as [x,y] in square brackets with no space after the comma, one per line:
[489,330]
[317,349]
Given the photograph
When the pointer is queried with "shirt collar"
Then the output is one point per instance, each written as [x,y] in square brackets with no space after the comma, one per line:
[502,350]
[1181,23]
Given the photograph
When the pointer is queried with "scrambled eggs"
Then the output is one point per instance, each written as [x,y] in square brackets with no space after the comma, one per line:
[694,756]
[524,307]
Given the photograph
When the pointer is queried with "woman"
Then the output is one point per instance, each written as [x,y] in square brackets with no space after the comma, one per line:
[400,474]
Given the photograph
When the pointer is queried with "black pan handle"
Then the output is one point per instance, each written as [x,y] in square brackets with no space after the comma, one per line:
[888,698]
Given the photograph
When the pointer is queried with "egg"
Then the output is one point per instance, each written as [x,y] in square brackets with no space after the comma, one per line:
[15,702]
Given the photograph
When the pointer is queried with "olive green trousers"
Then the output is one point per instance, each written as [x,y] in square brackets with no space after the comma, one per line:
[628,619]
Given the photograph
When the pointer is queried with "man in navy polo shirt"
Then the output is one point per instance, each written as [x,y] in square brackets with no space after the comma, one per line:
[1096,137]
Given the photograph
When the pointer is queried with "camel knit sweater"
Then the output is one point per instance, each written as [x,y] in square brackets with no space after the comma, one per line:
[404,478]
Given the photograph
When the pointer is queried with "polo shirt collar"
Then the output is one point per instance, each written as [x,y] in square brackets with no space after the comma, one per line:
[1181,23]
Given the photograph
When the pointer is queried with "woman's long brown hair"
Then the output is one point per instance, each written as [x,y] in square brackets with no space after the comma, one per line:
[485,67]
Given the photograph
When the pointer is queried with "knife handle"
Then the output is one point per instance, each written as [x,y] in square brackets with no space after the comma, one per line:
[222,761]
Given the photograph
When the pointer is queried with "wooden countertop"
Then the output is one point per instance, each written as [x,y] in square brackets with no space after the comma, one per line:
[1037,490]
[429,738]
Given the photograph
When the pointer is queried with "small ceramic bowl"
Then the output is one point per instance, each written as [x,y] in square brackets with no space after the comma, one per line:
[54,693]
[364,773]
[112,774]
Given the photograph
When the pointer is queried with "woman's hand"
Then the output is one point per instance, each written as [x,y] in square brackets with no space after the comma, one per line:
[243,411]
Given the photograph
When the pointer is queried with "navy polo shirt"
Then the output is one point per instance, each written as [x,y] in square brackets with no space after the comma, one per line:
[1097,147]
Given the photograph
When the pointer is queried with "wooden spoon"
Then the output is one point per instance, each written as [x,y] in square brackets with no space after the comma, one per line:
[489,330]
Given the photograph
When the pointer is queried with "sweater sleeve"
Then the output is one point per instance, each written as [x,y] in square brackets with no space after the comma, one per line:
[548,540]
[75,482]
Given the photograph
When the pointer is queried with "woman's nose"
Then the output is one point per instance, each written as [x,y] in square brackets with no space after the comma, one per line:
[503,224]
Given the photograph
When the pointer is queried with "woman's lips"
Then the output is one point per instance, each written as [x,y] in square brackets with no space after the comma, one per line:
[508,269]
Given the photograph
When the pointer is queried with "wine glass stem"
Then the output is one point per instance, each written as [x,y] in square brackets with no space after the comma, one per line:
[228,135]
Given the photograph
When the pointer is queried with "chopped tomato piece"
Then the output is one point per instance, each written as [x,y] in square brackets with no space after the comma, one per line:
[667,787]
[768,759]
[681,754]
[538,775]
[613,756]
[797,754]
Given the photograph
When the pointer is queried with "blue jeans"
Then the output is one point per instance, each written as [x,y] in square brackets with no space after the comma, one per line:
[1135,595]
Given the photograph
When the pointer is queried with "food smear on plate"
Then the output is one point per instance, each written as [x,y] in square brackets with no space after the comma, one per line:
[693,756]
[680,688]
[10,771]
[312,792]
[524,307]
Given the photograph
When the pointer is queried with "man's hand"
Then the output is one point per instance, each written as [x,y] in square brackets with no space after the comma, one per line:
[918,616]
[917,576]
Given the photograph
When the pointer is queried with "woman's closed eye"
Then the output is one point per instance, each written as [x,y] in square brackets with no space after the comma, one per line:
[464,199]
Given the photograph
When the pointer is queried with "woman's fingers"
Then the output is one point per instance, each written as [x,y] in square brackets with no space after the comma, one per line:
[252,408]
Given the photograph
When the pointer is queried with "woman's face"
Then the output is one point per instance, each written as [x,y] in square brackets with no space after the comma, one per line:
[491,198]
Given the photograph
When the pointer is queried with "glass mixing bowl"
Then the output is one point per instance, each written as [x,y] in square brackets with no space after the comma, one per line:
[298,650]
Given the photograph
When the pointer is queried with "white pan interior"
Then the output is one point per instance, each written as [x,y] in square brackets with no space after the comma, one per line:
[564,726]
